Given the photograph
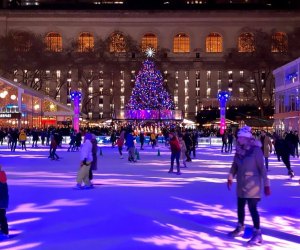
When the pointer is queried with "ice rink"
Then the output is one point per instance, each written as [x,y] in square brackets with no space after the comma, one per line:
[140,206]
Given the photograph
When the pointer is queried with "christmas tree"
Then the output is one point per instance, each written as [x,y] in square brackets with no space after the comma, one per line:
[149,92]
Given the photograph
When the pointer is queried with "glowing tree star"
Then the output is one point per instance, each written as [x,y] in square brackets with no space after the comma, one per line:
[149,92]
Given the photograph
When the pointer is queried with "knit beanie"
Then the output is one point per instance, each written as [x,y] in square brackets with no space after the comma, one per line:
[245,132]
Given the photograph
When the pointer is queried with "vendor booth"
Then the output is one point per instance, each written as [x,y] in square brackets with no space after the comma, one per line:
[21,106]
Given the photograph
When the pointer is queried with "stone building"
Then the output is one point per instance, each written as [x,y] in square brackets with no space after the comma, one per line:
[190,48]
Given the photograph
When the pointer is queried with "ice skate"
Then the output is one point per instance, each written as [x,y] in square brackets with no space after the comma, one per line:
[238,231]
[78,187]
[91,186]
[256,238]
[291,173]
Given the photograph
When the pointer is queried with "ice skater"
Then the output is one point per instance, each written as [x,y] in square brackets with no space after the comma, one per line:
[248,167]
[86,158]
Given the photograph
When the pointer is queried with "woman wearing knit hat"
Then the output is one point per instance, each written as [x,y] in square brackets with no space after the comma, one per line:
[248,167]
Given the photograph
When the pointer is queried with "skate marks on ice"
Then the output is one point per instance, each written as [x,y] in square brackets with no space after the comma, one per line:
[205,226]
[14,242]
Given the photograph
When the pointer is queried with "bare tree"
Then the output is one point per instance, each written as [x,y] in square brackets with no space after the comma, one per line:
[259,64]
[24,57]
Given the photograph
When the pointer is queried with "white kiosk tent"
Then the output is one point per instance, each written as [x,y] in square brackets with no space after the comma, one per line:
[21,106]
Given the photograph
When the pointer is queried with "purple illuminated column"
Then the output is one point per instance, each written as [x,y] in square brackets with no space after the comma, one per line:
[223,97]
[76,98]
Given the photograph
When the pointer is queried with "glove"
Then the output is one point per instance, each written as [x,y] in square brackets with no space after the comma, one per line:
[229,184]
[267,191]
[84,161]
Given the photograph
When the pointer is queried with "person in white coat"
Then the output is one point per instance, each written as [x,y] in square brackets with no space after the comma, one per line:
[86,158]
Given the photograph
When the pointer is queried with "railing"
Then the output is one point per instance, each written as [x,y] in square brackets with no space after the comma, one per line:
[102,140]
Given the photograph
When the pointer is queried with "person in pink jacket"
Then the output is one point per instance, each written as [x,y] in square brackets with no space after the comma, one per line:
[251,175]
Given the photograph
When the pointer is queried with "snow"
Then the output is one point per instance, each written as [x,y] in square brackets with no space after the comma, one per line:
[140,205]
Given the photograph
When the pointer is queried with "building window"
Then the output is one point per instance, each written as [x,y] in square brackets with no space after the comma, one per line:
[149,40]
[117,43]
[22,42]
[181,43]
[54,42]
[279,42]
[281,104]
[246,42]
[85,42]
[214,43]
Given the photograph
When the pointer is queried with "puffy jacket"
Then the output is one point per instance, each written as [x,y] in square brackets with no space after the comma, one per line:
[22,136]
[250,173]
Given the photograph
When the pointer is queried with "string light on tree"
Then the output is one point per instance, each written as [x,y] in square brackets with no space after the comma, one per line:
[149,92]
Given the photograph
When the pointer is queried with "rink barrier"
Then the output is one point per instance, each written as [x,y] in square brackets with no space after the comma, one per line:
[213,141]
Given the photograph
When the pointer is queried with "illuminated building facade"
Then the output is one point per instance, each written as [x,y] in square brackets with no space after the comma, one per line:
[287,97]
[188,42]
[22,107]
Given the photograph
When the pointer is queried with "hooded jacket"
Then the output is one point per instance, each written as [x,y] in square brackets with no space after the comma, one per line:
[249,170]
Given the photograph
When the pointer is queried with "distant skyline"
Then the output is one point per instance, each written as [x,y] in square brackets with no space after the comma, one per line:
[150,4]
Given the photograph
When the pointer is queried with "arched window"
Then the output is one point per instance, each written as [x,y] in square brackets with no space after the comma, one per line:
[149,40]
[22,42]
[54,42]
[181,43]
[246,42]
[117,43]
[279,42]
[214,43]
[85,42]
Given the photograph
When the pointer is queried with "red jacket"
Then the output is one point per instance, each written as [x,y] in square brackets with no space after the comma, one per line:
[174,144]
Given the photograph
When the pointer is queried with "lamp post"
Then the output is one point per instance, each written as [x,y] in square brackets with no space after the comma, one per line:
[223,97]
[76,98]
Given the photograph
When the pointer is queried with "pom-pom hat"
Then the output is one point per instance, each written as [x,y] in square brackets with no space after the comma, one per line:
[245,132]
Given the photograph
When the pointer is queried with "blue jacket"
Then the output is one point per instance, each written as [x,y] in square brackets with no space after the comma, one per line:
[130,140]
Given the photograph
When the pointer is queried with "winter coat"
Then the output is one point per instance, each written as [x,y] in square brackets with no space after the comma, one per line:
[174,144]
[22,136]
[86,151]
[250,172]
[130,140]
[3,191]
[120,142]
[182,148]
[94,153]
[266,145]
[282,147]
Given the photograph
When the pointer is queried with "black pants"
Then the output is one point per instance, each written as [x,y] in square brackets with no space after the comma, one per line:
[252,205]
[286,160]
[3,221]
[13,146]
[23,144]
[224,145]
[91,174]
[175,156]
